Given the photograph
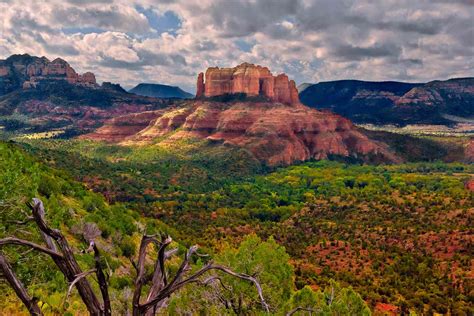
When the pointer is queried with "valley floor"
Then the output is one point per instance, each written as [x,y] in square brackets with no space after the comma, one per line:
[399,234]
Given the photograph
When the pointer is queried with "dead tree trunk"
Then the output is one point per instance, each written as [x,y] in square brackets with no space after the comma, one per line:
[161,287]
[30,302]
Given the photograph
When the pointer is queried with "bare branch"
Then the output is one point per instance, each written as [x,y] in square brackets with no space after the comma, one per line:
[215,278]
[173,287]
[20,290]
[22,242]
[104,290]
[159,279]
[67,263]
[38,213]
[78,277]
[170,253]
[23,222]
[140,279]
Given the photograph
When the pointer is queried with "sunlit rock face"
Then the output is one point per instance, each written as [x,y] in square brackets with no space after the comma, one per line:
[25,71]
[275,133]
[253,80]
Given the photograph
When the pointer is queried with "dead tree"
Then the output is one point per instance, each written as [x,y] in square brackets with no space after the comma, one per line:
[162,286]
[18,287]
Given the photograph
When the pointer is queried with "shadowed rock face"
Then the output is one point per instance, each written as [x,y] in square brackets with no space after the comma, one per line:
[276,134]
[247,78]
[436,102]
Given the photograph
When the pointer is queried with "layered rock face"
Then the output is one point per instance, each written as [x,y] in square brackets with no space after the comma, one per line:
[274,133]
[247,78]
[24,71]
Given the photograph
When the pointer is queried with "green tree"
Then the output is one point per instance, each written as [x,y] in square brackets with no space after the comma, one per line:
[334,300]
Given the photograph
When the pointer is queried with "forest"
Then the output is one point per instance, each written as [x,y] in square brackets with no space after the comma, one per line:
[399,235]
[73,209]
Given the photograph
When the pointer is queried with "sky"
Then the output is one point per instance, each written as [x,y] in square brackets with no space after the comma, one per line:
[171,41]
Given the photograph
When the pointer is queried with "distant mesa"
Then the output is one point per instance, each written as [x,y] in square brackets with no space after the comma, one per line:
[160,91]
[249,79]
[25,71]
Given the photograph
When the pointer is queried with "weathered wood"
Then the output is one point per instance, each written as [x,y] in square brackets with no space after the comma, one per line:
[104,290]
[160,290]
[20,290]
[22,242]
[67,264]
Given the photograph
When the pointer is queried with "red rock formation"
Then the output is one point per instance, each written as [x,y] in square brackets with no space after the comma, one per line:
[249,79]
[274,133]
[121,127]
[34,70]
[200,85]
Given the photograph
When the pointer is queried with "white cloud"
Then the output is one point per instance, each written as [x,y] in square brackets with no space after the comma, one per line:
[312,40]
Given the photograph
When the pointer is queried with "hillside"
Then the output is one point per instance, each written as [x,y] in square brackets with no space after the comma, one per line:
[247,107]
[399,234]
[160,91]
[79,213]
[394,102]
[42,96]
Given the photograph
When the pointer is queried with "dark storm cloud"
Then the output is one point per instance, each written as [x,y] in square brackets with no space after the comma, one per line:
[359,53]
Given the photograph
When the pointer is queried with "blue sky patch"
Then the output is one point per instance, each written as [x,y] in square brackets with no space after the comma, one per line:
[244,45]
[166,22]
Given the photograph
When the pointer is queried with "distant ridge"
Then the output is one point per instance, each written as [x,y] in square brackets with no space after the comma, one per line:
[391,102]
[160,91]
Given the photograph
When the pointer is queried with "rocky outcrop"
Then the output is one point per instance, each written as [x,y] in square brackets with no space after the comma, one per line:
[274,133]
[253,80]
[200,85]
[25,71]
[58,69]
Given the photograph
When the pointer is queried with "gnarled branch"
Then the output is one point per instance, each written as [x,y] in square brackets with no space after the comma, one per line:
[78,277]
[20,290]
[22,242]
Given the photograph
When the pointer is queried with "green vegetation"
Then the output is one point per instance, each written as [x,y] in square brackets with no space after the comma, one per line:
[143,174]
[70,206]
[397,234]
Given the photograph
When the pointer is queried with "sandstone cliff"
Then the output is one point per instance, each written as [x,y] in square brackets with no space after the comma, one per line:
[276,134]
[247,78]
[25,71]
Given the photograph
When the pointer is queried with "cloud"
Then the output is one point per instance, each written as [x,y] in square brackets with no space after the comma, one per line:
[349,52]
[170,41]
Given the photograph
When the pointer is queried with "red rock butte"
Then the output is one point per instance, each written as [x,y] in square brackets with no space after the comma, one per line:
[253,80]
[39,69]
